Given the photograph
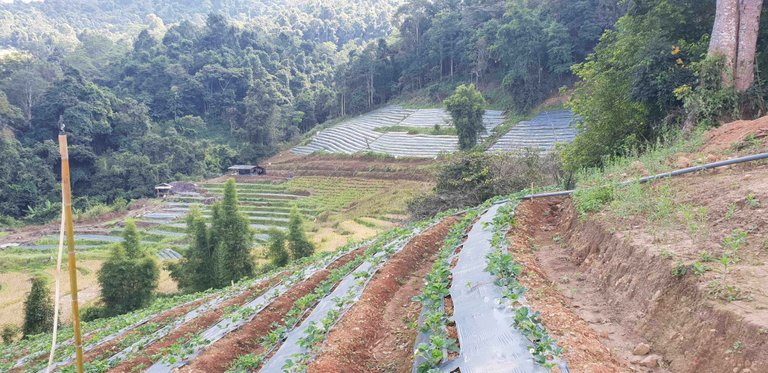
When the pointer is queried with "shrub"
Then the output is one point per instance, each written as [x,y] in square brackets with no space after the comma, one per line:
[709,103]
[277,254]
[38,309]
[231,239]
[10,332]
[466,106]
[593,199]
[298,242]
[129,277]
[193,272]
[90,313]
[468,179]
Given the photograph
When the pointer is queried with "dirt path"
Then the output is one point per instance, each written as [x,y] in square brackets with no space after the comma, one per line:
[585,347]
[600,286]
[378,332]
[219,356]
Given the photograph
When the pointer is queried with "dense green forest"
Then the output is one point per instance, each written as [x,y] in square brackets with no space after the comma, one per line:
[526,47]
[152,91]
[224,82]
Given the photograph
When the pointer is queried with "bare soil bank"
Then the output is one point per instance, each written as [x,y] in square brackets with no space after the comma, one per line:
[620,285]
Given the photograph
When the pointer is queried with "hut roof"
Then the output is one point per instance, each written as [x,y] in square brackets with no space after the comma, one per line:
[238,167]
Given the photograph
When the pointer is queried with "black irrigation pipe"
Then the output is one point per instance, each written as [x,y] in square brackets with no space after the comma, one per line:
[683,171]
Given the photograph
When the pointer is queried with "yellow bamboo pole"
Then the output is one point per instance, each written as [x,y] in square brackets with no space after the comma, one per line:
[66,190]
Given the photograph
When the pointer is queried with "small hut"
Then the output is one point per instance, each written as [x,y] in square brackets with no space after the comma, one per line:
[242,169]
[163,190]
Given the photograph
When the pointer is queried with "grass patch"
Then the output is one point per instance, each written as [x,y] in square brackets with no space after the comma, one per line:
[436,130]
[365,223]
[591,182]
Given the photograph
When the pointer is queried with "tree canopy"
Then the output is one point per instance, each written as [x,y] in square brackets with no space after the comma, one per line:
[467,107]
[129,277]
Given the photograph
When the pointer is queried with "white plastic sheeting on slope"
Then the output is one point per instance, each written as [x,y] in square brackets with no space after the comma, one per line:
[358,134]
[489,342]
[540,133]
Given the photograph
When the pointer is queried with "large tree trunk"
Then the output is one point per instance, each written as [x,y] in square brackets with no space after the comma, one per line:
[749,24]
[725,32]
[734,37]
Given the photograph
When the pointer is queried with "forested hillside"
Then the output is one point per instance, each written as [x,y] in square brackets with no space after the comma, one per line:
[154,91]
[158,90]
[526,47]
[58,23]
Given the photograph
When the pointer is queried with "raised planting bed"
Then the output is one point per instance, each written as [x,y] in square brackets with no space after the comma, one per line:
[377,332]
[483,271]
[188,348]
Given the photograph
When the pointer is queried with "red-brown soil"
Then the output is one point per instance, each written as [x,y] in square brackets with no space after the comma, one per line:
[730,134]
[615,273]
[287,165]
[197,325]
[377,334]
[531,238]
[219,356]
[111,347]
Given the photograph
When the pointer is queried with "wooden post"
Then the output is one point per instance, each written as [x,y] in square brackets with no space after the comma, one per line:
[66,190]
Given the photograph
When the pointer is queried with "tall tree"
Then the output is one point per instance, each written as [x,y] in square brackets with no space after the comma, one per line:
[195,272]
[232,238]
[298,242]
[734,38]
[466,106]
[38,309]
[277,254]
[130,276]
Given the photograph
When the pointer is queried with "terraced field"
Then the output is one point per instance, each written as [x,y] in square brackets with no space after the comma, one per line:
[326,313]
[358,134]
[353,208]
[542,133]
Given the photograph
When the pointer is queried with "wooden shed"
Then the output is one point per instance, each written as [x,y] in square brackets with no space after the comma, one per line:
[163,190]
[242,169]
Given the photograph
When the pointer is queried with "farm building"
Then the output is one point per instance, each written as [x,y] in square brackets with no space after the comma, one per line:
[163,190]
[247,170]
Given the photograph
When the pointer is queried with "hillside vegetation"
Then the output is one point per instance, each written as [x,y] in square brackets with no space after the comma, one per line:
[362,249]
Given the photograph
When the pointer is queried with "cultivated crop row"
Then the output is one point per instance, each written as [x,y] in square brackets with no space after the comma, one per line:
[358,134]
[542,132]
[459,279]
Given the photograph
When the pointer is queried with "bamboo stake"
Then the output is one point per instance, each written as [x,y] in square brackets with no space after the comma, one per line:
[66,190]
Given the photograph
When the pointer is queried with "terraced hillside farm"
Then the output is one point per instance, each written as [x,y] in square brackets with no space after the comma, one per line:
[359,134]
[336,209]
[515,284]
[300,315]
[542,133]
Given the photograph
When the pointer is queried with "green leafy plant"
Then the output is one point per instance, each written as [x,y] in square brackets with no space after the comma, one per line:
[679,270]
[593,199]
[666,254]
[706,256]
[752,201]
[699,269]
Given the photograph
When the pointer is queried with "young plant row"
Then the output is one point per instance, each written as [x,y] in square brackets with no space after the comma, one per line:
[506,269]
[95,332]
[236,315]
[102,331]
[305,304]
[144,335]
[432,298]
[317,332]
